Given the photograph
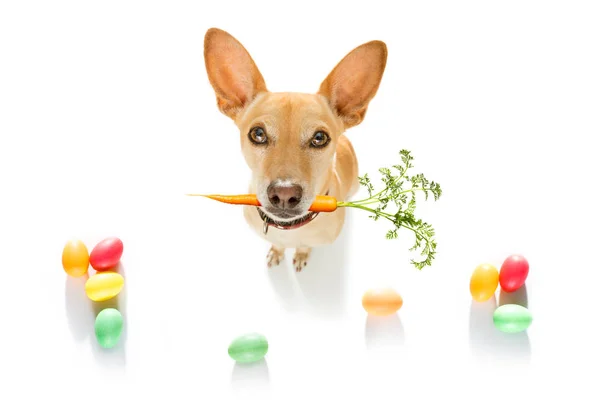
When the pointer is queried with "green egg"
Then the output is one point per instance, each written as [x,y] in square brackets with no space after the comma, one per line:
[248,348]
[108,327]
[512,318]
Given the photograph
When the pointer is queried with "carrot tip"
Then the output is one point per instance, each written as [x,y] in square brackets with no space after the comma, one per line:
[321,204]
[240,199]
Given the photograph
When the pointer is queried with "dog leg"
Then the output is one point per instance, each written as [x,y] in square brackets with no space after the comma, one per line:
[275,255]
[301,257]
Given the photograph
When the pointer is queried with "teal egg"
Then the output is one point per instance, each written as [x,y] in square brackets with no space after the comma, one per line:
[248,348]
[108,327]
[512,318]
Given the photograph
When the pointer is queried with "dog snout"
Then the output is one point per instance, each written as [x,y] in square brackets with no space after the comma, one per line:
[284,197]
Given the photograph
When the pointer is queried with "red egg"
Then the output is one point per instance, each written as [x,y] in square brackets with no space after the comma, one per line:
[106,254]
[513,272]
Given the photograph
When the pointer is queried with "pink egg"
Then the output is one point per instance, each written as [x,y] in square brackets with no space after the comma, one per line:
[106,254]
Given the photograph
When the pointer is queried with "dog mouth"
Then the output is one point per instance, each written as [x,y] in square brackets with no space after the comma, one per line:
[288,224]
[285,225]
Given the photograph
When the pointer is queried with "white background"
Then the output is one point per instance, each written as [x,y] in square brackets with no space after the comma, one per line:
[107,119]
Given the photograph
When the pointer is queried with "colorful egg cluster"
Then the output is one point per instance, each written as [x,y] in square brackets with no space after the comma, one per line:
[104,285]
[509,318]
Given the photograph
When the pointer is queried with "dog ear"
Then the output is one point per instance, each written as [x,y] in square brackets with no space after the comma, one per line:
[354,81]
[231,71]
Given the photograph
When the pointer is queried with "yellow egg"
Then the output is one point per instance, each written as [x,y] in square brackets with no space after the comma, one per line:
[75,258]
[381,302]
[104,285]
[484,282]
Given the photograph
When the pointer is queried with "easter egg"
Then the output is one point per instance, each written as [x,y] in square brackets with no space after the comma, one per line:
[75,258]
[512,318]
[108,327]
[106,254]
[248,348]
[104,285]
[513,272]
[484,282]
[381,302]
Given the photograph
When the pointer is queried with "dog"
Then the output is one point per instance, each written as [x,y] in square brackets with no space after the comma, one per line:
[295,143]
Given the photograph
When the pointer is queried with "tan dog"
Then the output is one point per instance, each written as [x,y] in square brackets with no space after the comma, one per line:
[294,143]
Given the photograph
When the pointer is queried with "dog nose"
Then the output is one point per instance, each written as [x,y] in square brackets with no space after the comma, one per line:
[284,196]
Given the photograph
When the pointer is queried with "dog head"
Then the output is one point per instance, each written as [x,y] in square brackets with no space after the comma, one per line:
[289,139]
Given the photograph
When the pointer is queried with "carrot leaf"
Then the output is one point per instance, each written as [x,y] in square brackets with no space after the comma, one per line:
[400,193]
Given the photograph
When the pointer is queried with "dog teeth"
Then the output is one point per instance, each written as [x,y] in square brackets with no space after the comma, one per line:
[283,225]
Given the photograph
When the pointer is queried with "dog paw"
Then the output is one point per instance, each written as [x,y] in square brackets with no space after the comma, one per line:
[301,259]
[274,256]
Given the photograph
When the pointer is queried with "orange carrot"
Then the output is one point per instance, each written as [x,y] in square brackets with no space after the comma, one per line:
[324,204]
[321,203]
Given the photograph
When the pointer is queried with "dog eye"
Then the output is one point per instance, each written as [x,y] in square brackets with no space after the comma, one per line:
[258,135]
[320,139]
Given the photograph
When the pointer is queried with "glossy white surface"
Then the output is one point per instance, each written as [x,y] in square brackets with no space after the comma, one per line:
[108,119]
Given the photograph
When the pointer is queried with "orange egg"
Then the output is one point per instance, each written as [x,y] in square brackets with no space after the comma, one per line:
[484,282]
[380,302]
[75,258]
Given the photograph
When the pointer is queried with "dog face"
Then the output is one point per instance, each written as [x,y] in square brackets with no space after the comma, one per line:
[289,139]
